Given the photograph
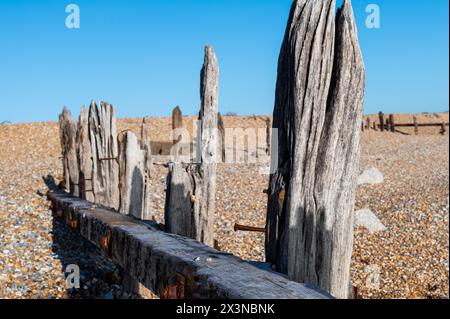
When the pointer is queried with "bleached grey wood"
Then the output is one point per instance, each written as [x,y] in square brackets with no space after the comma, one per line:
[84,151]
[318,112]
[132,175]
[103,135]
[190,198]
[68,134]
[147,210]
[155,258]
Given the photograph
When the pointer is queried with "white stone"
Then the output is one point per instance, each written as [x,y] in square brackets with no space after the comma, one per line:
[367,219]
[371,176]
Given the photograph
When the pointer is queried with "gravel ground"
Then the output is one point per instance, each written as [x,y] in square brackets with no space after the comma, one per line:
[409,260]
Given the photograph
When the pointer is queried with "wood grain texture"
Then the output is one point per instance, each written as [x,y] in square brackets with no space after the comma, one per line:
[318,113]
[132,175]
[105,152]
[68,135]
[191,188]
[147,211]
[84,151]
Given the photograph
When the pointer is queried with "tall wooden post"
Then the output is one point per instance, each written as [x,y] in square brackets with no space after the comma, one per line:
[147,211]
[132,175]
[68,134]
[190,198]
[392,122]
[416,126]
[311,195]
[84,151]
[105,153]
[381,116]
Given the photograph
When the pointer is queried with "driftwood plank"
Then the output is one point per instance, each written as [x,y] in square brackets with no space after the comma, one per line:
[318,112]
[162,261]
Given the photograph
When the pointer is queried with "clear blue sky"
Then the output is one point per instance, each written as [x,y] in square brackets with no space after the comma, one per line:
[145,56]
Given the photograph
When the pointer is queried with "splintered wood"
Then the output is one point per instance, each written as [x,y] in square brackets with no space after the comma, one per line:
[191,187]
[318,113]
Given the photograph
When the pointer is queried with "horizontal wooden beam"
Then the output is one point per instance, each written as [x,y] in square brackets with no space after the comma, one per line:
[170,265]
[422,125]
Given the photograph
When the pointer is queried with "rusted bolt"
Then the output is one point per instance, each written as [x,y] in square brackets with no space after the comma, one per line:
[238,227]
[175,288]
[104,242]
[73,222]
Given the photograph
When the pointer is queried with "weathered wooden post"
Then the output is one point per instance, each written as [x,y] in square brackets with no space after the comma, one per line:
[311,196]
[368,123]
[221,128]
[105,152]
[381,116]
[147,213]
[443,130]
[392,122]
[68,135]
[177,123]
[268,135]
[416,125]
[132,175]
[190,198]
[84,151]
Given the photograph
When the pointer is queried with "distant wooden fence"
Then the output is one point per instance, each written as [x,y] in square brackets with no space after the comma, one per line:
[388,123]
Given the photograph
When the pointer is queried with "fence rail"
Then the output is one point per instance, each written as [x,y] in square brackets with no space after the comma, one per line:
[389,124]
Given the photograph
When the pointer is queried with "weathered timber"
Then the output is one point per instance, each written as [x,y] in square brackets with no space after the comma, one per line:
[164,262]
[318,113]
[443,130]
[190,198]
[84,151]
[416,126]
[68,135]
[177,123]
[381,117]
[147,212]
[132,175]
[221,137]
[105,172]
[268,135]
[421,124]
[392,122]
